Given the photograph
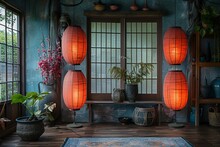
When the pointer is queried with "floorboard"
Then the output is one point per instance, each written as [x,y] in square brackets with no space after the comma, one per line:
[202,136]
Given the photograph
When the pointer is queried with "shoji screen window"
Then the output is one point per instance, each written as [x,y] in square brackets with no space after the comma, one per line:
[141,46]
[123,39]
[105,53]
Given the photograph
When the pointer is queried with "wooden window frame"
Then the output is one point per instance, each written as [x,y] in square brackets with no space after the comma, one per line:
[13,111]
[122,18]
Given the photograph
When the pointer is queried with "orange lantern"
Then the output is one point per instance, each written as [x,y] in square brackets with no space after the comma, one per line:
[74,45]
[175,90]
[74,90]
[175,45]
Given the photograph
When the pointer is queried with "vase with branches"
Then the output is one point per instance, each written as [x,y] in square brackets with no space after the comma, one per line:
[132,77]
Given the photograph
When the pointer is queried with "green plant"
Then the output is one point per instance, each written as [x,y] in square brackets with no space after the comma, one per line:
[138,72]
[206,23]
[30,101]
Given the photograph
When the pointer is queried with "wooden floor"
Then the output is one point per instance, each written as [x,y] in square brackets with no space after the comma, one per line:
[203,136]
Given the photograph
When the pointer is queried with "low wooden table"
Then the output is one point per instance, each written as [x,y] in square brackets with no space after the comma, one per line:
[90,103]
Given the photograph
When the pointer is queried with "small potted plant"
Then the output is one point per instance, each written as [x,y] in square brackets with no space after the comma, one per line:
[31,127]
[132,77]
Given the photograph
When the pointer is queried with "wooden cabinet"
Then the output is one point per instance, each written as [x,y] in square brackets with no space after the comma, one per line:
[205,57]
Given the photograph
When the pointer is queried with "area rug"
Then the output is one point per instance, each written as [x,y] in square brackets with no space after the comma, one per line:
[127,142]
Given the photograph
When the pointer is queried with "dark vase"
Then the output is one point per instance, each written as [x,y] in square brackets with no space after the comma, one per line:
[29,130]
[216,87]
[131,92]
[51,97]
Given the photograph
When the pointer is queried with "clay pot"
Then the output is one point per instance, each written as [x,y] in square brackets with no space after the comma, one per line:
[29,130]
[118,95]
[113,7]
[99,6]
[134,7]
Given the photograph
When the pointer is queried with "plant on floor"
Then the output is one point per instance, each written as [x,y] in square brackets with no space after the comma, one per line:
[30,101]
[30,128]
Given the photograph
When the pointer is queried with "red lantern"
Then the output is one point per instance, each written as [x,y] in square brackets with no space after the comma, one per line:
[175,45]
[74,90]
[74,45]
[175,90]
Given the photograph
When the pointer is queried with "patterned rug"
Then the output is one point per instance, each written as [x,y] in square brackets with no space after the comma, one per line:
[127,142]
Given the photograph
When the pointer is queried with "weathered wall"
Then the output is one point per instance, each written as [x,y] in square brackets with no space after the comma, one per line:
[110,113]
[38,24]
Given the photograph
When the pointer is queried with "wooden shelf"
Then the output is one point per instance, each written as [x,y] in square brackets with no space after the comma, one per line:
[124,102]
[210,101]
[196,77]
[209,64]
[118,14]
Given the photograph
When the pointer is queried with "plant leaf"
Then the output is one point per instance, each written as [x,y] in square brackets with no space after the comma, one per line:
[17,98]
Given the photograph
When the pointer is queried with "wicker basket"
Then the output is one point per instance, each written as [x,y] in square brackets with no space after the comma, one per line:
[214,117]
[144,116]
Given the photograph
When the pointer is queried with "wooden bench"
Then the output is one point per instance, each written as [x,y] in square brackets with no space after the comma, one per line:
[90,103]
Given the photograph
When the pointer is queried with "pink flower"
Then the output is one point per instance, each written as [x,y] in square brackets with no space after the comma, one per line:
[49,61]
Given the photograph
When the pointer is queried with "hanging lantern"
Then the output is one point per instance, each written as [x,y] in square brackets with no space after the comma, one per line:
[74,90]
[175,45]
[74,45]
[175,90]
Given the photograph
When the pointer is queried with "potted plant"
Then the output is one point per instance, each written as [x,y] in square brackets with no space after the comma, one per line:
[205,24]
[132,77]
[31,127]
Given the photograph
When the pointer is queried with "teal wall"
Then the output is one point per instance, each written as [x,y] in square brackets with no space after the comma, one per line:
[110,113]
[37,24]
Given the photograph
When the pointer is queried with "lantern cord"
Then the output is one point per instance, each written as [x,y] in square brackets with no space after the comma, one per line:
[175,32]
[175,12]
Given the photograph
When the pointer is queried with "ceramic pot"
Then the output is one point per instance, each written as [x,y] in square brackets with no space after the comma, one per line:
[134,7]
[51,97]
[113,7]
[144,116]
[118,95]
[216,87]
[205,91]
[99,6]
[192,115]
[29,130]
[131,92]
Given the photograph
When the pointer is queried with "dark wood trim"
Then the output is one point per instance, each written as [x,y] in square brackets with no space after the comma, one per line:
[159,58]
[88,57]
[14,111]
[123,14]
[124,102]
